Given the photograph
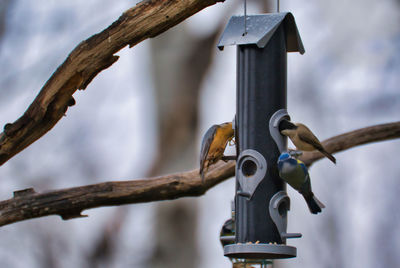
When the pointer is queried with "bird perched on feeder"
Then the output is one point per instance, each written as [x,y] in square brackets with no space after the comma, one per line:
[227,234]
[303,138]
[213,145]
[295,173]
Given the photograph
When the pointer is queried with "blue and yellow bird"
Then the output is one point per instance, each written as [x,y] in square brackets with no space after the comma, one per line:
[213,145]
[295,173]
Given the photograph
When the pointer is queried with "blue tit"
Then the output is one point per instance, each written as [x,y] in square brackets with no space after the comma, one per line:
[213,145]
[303,138]
[295,173]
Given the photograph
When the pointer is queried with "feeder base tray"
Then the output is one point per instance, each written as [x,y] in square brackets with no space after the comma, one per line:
[259,251]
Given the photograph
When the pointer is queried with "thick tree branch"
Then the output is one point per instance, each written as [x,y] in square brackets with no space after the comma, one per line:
[147,19]
[354,138]
[69,203]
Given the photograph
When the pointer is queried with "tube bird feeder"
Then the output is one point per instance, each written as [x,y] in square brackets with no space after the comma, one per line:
[261,202]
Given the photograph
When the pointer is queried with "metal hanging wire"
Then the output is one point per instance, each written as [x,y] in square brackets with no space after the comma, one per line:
[245,14]
[245,17]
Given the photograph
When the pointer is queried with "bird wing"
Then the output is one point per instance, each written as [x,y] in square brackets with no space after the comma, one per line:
[303,166]
[206,144]
[310,138]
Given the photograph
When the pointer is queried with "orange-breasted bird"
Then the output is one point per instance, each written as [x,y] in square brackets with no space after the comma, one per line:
[213,145]
[303,138]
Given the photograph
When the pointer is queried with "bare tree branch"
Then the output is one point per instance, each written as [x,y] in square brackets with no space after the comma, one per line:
[354,138]
[69,203]
[147,19]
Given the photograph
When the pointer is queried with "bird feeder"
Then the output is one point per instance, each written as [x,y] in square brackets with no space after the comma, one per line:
[261,202]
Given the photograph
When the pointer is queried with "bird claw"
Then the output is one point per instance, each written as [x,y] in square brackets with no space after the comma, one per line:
[232,142]
[226,158]
[295,153]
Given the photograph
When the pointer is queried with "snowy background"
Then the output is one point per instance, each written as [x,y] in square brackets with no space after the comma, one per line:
[347,79]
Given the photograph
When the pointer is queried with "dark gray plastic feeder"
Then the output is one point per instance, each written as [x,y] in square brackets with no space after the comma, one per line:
[261,202]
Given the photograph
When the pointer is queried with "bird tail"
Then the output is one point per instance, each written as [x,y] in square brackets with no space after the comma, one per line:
[202,173]
[314,204]
[329,156]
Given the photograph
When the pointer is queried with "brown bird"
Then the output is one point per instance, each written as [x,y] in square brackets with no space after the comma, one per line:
[303,138]
[213,145]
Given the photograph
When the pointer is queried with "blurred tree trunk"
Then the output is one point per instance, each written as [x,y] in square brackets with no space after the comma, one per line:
[5,6]
[180,62]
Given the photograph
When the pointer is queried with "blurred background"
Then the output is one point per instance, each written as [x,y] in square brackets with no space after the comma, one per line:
[146,114]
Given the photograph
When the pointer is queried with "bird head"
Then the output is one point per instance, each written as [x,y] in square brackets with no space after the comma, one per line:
[284,156]
[227,130]
[286,161]
[226,125]
[287,128]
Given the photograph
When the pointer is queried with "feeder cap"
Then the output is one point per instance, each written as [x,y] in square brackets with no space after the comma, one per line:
[259,30]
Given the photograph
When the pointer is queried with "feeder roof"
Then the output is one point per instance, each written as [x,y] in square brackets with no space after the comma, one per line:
[259,30]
